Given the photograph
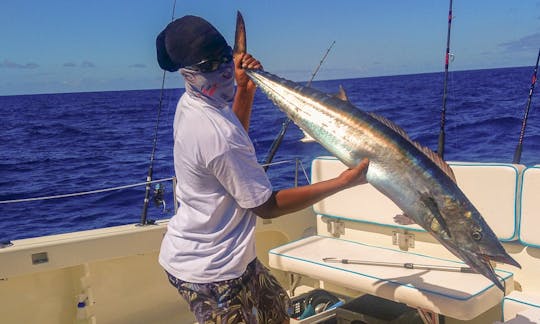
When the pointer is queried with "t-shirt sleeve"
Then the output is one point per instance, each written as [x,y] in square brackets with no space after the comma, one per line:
[242,177]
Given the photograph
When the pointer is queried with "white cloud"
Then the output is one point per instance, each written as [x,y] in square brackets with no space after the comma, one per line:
[13,65]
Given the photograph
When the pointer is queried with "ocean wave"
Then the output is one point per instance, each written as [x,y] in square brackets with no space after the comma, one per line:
[66,143]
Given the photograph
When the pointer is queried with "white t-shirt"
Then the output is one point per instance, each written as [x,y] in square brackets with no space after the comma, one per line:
[211,237]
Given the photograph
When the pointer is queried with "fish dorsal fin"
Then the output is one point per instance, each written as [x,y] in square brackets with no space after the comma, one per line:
[342,95]
[426,150]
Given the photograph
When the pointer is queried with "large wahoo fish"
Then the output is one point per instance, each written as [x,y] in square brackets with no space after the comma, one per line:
[412,176]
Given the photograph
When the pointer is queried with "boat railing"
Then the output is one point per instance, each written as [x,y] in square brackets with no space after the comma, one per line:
[283,165]
[298,165]
[84,193]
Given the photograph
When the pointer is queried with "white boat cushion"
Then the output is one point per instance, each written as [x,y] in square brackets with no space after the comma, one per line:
[361,203]
[529,233]
[492,188]
[459,295]
[518,302]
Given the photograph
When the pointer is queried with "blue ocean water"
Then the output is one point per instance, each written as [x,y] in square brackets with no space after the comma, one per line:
[57,144]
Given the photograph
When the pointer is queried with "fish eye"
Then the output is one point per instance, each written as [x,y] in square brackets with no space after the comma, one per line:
[477,235]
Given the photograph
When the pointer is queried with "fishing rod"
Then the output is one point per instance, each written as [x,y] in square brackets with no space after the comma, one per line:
[285,125]
[406,265]
[144,220]
[440,148]
[517,153]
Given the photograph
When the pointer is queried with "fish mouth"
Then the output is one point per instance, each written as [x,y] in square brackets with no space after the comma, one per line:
[503,258]
[481,263]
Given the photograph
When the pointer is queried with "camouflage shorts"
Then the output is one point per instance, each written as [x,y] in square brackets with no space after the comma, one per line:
[255,297]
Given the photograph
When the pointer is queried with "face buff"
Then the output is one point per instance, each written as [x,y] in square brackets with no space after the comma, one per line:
[215,88]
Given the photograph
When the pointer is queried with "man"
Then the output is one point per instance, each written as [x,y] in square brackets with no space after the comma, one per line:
[208,251]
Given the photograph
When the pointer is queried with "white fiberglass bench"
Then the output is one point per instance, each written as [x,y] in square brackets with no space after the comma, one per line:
[526,305]
[529,227]
[446,290]
[518,303]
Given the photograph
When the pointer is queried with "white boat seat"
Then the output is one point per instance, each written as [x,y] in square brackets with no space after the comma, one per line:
[491,187]
[518,302]
[530,205]
[456,294]
[363,204]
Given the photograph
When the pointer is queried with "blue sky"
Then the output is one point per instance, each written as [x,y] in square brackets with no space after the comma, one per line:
[73,45]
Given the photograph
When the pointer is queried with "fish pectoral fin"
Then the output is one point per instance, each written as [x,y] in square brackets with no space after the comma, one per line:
[431,204]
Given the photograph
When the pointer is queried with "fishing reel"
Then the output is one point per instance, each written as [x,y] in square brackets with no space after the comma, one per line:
[158,196]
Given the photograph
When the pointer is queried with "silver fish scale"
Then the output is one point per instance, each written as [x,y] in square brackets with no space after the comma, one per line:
[311,114]
[398,169]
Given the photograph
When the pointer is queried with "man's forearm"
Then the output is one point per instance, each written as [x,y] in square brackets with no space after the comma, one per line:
[243,101]
[290,200]
[294,199]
